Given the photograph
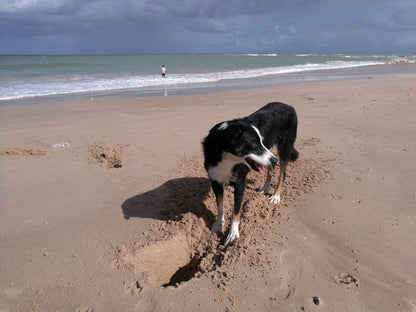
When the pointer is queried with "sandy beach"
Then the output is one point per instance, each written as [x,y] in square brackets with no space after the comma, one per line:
[117,217]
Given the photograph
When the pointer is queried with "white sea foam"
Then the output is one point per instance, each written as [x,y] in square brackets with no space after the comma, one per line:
[68,84]
[253,54]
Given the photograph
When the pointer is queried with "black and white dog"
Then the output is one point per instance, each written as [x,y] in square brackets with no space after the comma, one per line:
[233,148]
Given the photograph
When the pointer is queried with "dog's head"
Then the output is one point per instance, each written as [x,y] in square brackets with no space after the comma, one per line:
[245,141]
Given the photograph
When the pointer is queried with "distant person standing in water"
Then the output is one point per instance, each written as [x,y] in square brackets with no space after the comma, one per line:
[163,71]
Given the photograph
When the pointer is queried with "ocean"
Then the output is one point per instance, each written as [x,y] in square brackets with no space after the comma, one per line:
[41,77]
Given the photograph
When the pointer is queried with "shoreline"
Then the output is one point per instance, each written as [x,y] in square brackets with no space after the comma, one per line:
[384,70]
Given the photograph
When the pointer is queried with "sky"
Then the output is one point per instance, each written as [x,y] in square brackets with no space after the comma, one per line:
[206,26]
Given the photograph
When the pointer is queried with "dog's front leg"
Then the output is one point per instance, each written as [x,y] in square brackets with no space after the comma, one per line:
[218,189]
[233,234]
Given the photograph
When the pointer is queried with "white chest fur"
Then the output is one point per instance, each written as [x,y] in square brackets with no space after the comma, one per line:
[222,172]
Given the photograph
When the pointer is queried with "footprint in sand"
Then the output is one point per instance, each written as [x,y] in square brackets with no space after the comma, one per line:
[335,196]
[346,279]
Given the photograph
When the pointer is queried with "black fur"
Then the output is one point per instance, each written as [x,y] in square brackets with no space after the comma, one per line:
[277,124]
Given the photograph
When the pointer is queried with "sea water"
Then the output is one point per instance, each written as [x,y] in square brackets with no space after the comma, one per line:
[37,76]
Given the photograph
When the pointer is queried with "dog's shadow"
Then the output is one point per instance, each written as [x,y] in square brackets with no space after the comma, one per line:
[170,200]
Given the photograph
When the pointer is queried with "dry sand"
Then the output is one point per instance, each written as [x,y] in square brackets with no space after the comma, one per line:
[119,218]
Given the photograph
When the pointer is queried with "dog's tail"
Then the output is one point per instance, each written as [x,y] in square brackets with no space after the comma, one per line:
[294,154]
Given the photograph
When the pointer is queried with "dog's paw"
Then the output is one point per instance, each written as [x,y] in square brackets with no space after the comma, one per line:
[275,199]
[218,226]
[233,234]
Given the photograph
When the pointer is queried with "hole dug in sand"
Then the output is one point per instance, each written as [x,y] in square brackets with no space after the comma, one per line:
[174,257]
[160,260]
[108,158]
[186,272]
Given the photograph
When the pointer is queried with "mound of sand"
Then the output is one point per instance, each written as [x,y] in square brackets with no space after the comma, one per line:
[22,152]
[108,158]
[182,247]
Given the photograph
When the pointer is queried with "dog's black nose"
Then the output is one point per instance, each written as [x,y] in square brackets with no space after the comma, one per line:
[273,160]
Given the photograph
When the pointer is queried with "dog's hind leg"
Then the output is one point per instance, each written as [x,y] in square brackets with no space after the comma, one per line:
[287,153]
[218,225]
[266,187]
[275,198]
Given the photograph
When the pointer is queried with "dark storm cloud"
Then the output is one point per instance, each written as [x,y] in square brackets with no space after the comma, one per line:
[156,26]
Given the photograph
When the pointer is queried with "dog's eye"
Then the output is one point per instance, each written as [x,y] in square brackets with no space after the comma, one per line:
[254,145]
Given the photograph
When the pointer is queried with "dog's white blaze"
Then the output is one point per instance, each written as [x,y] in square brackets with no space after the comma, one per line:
[223,126]
[234,233]
[222,172]
[263,159]
[260,136]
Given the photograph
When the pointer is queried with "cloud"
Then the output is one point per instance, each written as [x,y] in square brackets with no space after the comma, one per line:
[406,42]
[286,29]
[37,7]
[275,29]
[207,25]
[137,26]
[292,29]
